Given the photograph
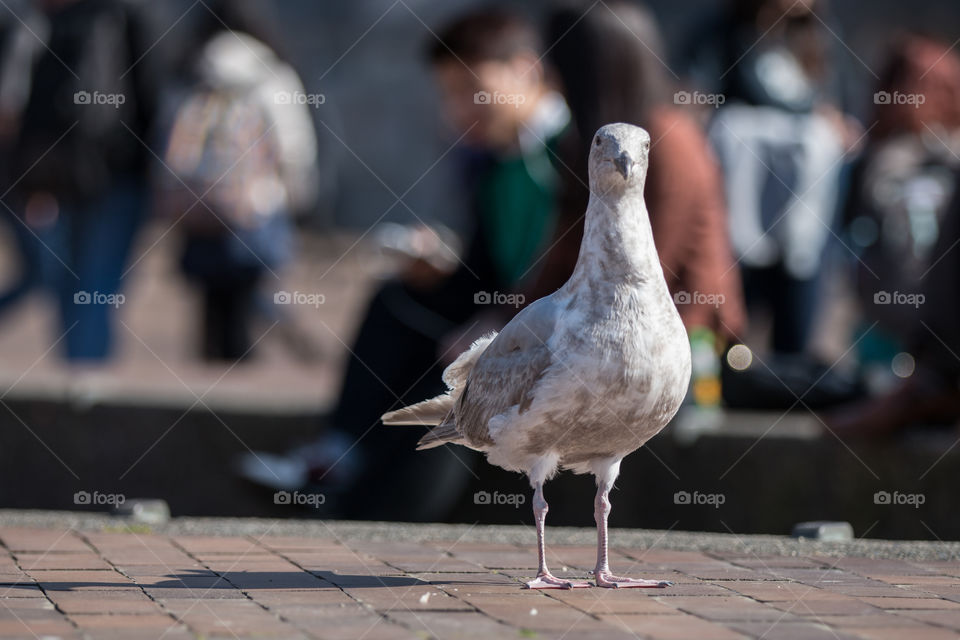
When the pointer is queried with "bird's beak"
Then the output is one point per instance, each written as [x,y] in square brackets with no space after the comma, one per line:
[624,164]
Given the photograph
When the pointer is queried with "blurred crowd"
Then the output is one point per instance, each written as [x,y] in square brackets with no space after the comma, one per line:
[765,194]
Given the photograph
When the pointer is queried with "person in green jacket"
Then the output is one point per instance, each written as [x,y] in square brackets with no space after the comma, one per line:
[496,92]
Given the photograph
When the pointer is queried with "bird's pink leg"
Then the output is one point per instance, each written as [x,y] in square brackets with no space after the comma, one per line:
[601,511]
[545,579]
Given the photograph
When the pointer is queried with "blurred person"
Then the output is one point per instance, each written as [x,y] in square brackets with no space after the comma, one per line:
[903,213]
[900,188]
[239,158]
[781,141]
[610,64]
[493,88]
[81,154]
[21,41]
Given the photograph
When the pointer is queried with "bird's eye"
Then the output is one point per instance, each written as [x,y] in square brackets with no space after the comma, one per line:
[596,141]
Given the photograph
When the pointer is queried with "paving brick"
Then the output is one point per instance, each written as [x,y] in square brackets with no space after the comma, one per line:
[671,627]
[37,628]
[601,601]
[820,604]
[926,580]
[20,590]
[42,540]
[87,580]
[255,579]
[218,544]
[912,603]
[949,619]
[298,543]
[496,556]
[168,571]
[873,620]
[466,579]
[127,601]
[158,621]
[721,571]
[683,589]
[73,561]
[727,608]
[535,611]
[792,631]
[453,625]
[897,633]
[413,598]
[770,590]
[184,593]
[272,598]
[768,562]
[343,562]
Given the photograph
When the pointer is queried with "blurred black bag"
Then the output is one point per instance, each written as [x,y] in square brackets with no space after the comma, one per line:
[87,107]
[777,383]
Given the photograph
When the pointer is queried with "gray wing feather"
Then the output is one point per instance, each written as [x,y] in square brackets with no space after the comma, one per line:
[508,370]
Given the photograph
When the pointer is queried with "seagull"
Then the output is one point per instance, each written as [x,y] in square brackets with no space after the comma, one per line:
[580,378]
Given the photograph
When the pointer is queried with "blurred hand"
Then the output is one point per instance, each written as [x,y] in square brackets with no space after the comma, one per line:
[420,273]
[427,257]
[847,127]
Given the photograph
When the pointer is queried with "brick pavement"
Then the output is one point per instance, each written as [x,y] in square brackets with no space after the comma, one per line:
[60,582]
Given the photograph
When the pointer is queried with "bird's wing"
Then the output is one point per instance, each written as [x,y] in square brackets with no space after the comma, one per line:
[507,371]
[437,411]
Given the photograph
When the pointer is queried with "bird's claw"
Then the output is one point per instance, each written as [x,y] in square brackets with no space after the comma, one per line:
[549,581]
[615,582]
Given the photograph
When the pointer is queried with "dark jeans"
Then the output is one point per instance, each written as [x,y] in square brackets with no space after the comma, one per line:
[29,250]
[227,311]
[394,362]
[228,266]
[86,251]
[792,302]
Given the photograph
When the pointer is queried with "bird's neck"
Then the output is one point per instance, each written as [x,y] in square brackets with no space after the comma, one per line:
[617,242]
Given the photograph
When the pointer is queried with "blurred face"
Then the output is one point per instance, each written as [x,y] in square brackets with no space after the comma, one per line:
[494,97]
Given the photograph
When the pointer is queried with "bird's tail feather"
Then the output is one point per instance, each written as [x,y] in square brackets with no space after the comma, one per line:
[441,434]
[429,412]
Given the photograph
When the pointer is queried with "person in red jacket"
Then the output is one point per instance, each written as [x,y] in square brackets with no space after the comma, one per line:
[611,71]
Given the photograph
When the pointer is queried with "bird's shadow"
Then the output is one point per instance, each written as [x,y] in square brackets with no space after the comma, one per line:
[200,581]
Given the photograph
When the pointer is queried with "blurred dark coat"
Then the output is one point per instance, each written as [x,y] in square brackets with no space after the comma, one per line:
[91,102]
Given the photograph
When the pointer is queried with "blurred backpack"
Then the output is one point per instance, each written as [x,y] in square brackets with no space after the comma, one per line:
[221,162]
[895,212]
[91,100]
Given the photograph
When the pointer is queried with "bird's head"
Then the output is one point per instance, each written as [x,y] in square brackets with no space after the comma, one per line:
[619,156]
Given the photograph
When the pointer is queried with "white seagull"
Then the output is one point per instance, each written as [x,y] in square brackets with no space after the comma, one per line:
[580,378]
